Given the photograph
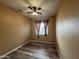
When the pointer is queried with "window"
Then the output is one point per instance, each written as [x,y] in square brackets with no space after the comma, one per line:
[42,29]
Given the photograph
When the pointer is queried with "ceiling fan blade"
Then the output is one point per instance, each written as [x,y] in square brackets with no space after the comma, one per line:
[29,12]
[39,8]
[39,12]
[30,8]
[34,9]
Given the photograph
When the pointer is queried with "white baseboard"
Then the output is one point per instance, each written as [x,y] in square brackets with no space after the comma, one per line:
[1,56]
[43,42]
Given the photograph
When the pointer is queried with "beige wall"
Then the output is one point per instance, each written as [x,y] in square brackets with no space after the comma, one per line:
[14,29]
[67,29]
[51,32]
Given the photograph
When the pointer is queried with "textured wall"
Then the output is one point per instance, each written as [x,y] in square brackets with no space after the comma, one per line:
[67,29]
[14,29]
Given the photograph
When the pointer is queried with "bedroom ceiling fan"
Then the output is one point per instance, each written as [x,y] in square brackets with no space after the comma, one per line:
[35,11]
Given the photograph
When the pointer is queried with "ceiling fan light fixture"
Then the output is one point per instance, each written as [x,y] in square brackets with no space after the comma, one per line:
[34,14]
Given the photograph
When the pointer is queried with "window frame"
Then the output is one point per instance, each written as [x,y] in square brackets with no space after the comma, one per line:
[41,34]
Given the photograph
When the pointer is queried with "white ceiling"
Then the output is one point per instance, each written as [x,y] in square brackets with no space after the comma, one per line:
[49,7]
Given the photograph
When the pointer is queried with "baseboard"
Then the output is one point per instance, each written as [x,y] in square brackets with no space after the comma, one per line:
[43,42]
[1,56]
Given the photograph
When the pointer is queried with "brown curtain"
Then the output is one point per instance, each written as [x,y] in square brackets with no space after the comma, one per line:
[37,25]
[45,25]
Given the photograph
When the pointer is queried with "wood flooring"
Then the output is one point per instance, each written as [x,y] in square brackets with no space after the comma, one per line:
[35,50]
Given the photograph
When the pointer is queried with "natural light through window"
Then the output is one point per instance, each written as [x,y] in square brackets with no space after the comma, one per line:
[42,29]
